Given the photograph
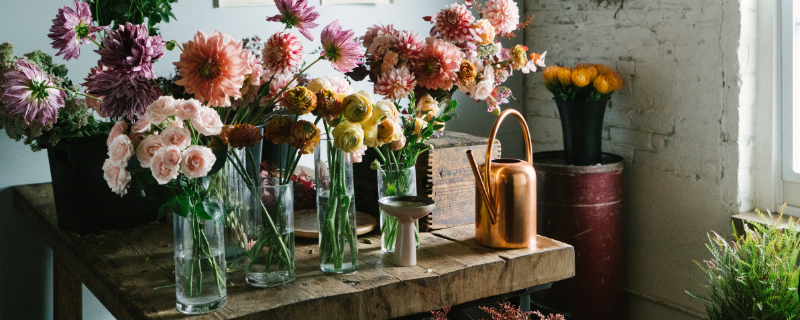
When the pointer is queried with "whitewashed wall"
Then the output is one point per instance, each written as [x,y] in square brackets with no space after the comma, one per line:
[676,123]
[25,269]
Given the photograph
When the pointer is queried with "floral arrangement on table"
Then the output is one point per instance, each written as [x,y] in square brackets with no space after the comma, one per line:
[461,53]
[585,82]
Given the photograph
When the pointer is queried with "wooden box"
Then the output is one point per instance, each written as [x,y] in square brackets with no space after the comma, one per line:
[443,174]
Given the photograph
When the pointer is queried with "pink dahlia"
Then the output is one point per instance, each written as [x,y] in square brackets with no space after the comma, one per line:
[130,50]
[28,90]
[376,30]
[340,47]
[71,29]
[124,95]
[408,45]
[453,23]
[296,14]
[396,84]
[502,14]
[282,53]
[212,68]
[438,66]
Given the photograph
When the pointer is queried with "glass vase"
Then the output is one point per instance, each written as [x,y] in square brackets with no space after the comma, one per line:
[394,181]
[269,225]
[336,209]
[236,201]
[199,264]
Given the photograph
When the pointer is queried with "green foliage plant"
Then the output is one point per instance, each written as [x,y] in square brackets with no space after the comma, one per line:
[134,11]
[755,276]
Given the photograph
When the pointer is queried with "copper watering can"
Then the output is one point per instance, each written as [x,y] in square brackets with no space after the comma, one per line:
[505,211]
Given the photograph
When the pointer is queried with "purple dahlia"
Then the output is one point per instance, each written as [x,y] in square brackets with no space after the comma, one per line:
[124,95]
[29,91]
[130,50]
[71,29]
[296,13]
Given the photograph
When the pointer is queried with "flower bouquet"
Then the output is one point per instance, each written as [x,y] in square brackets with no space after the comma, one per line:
[581,95]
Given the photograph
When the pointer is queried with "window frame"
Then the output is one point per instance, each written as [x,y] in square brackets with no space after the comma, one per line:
[787,44]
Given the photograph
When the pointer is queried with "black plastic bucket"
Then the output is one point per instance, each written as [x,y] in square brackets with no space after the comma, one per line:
[582,129]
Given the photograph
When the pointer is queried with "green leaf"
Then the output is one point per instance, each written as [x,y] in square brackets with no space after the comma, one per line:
[164,210]
[437,127]
[209,210]
[180,204]
[444,118]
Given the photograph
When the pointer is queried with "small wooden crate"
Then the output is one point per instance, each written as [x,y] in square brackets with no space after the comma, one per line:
[443,174]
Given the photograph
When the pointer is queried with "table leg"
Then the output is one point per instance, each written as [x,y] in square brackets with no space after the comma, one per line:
[67,292]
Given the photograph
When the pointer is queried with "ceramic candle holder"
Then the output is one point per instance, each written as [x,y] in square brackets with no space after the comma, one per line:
[406,209]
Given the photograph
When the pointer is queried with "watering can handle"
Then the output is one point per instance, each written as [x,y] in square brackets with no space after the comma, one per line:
[491,146]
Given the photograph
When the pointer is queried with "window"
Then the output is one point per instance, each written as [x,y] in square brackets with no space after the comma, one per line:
[790,105]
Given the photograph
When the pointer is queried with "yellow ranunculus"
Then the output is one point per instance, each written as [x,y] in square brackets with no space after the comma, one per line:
[466,72]
[419,125]
[357,108]
[427,107]
[299,100]
[305,136]
[383,110]
[370,133]
[279,129]
[348,136]
[387,131]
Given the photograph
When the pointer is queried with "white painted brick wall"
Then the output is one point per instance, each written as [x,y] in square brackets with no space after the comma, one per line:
[676,123]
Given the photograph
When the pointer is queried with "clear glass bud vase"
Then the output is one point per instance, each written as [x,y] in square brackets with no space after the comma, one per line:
[199,264]
[336,209]
[395,181]
[269,225]
[236,197]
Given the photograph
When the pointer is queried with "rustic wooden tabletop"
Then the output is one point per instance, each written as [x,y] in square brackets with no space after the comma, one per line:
[124,269]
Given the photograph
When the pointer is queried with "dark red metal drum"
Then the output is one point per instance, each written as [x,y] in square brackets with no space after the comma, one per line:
[582,206]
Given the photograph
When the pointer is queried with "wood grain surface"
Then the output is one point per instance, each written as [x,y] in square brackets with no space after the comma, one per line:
[123,269]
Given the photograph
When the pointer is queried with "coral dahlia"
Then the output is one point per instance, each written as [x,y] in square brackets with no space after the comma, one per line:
[71,29]
[438,66]
[282,53]
[213,68]
[453,23]
[296,14]
[502,14]
[340,47]
[29,91]
[130,50]
[396,84]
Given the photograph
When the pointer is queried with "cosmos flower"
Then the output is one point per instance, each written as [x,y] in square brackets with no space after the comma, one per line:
[340,47]
[282,53]
[296,14]
[124,95]
[71,29]
[438,66]
[213,68]
[130,50]
[29,91]
[396,84]
[453,23]
[502,14]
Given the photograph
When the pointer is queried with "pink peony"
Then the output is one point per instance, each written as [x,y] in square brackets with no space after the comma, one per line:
[197,161]
[161,169]
[119,128]
[339,85]
[158,111]
[172,156]
[207,121]
[408,45]
[296,13]
[453,23]
[28,90]
[176,136]
[282,53]
[71,29]
[340,48]
[147,149]
[185,109]
[120,151]
[396,84]
[212,68]
[116,177]
[502,14]
[438,66]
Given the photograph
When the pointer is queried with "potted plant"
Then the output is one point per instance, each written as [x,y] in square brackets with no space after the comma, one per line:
[581,95]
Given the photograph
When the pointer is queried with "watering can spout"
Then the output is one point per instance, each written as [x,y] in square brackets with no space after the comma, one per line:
[482,187]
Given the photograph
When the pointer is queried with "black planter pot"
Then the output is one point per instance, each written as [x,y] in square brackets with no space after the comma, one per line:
[582,128]
[84,202]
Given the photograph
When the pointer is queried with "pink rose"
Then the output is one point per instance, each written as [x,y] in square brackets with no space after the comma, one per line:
[120,151]
[158,111]
[197,161]
[139,130]
[207,121]
[118,129]
[147,149]
[172,156]
[116,177]
[484,88]
[178,124]
[161,169]
[185,109]
[176,136]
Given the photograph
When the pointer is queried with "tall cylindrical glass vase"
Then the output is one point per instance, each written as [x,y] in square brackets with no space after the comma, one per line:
[269,225]
[336,209]
[199,264]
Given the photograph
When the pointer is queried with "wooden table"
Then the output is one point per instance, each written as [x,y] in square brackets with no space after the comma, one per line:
[122,269]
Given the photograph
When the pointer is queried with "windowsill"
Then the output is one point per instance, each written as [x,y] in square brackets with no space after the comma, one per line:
[753,217]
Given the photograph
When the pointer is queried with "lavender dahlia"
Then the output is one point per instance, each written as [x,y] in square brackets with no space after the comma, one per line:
[124,95]
[340,47]
[130,50]
[29,91]
[296,14]
[71,28]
